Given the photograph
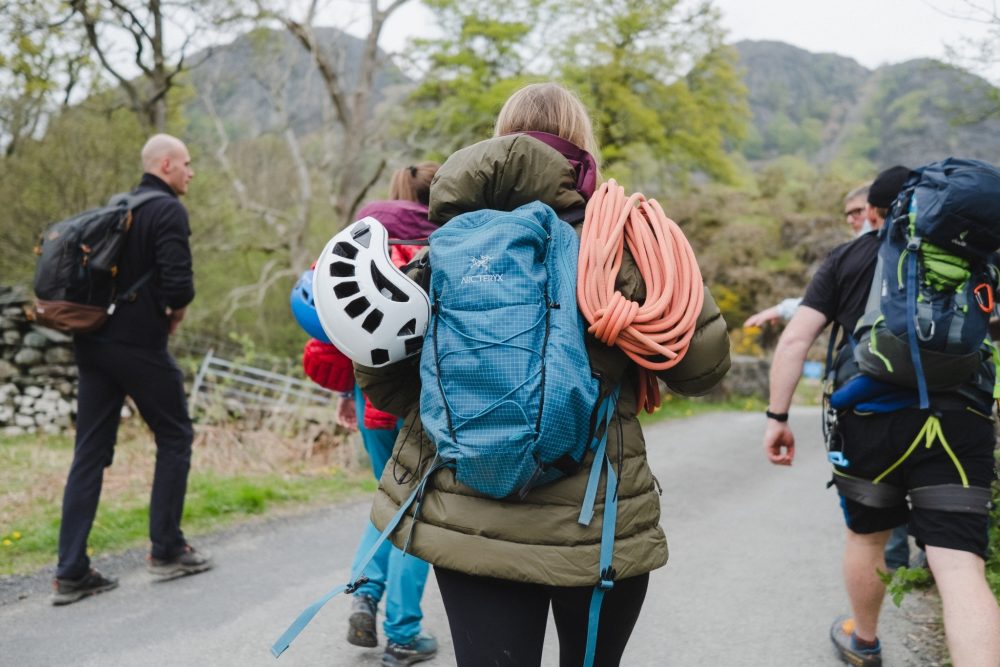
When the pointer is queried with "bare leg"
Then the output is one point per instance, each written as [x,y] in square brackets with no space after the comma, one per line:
[863,557]
[971,614]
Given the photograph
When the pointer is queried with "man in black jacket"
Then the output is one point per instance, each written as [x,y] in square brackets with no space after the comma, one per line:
[128,356]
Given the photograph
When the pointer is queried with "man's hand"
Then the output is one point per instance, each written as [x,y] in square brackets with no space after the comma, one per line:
[779,443]
[346,414]
[175,317]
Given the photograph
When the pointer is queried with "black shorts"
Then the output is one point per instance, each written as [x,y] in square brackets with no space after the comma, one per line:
[873,443]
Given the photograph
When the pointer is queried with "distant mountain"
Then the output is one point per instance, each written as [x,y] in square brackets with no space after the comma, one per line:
[826,107]
[262,76]
[820,106]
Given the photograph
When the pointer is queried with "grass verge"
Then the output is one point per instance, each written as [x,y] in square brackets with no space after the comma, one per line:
[235,476]
[233,479]
[678,407]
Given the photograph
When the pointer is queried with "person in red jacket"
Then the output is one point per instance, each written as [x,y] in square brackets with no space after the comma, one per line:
[400,578]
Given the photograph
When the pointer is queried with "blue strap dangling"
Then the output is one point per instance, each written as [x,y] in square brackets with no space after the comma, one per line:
[607,580]
[357,579]
[605,413]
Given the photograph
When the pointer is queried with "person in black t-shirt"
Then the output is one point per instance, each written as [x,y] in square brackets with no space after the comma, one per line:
[874,444]
[128,356]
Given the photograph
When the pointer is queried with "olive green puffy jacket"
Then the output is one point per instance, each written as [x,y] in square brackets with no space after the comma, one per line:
[538,539]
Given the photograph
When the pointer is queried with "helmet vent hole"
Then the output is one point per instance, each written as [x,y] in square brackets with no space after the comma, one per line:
[346,289]
[413,345]
[408,329]
[341,270]
[345,250]
[372,321]
[385,286]
[357,307]
[379,356]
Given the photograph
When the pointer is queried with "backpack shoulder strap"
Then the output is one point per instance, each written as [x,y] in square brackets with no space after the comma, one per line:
[133,200]
[831,347]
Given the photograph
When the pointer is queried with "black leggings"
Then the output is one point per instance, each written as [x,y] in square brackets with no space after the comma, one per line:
[501,623]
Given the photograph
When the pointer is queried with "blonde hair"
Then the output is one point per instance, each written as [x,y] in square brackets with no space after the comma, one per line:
[860,192]
[413,183]
[547,107]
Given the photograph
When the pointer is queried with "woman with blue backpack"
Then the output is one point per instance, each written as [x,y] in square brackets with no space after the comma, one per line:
[397,578]
[500,562]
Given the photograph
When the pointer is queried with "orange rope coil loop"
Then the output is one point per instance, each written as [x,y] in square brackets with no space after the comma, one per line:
[656,333]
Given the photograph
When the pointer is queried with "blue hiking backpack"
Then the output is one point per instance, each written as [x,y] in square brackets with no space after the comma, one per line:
[926,321]
[504,372]
[507,393]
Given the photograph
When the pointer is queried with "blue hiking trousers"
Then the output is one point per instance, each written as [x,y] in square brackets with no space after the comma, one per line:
[397,576]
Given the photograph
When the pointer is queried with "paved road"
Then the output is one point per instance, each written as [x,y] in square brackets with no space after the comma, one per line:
[753,577]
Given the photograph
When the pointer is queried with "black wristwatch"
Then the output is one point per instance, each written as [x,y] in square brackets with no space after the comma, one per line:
[777,416]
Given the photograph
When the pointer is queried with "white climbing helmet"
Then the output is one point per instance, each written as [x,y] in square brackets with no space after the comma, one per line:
[371,311]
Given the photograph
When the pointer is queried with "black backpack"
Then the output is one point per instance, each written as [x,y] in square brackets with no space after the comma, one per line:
[75,278]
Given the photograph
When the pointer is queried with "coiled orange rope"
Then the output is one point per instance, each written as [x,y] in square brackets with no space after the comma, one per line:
[656,333]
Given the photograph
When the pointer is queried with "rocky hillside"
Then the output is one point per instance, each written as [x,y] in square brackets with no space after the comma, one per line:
[264,77]
[826,107]
[820,106]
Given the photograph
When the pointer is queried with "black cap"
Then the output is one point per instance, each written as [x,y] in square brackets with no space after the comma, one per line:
[887,185]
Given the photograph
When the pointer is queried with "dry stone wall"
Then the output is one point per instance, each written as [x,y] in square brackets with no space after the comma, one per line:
[748,376]
[38,387]
[37,373]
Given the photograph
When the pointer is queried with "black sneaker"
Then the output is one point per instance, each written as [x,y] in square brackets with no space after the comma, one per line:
[418,649]
[845,641]
[188,561]
[67,591]
[361,625]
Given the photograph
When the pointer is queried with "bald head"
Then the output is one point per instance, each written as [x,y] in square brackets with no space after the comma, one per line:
[167,158]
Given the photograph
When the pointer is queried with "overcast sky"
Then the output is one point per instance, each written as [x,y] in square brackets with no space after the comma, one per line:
[873,32]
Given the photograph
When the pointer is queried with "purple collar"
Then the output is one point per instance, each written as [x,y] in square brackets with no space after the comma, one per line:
[582,162]
[402,219]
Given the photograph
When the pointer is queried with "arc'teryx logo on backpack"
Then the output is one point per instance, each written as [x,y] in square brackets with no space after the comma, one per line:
[482,264]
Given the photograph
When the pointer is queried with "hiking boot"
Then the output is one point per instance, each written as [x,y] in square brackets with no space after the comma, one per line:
[188,561]
[361,624]
[420,648]
[846,642]
[67,591]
